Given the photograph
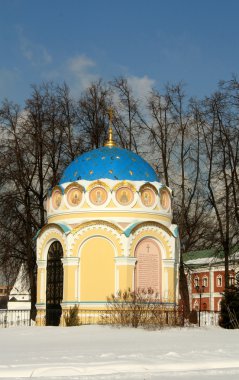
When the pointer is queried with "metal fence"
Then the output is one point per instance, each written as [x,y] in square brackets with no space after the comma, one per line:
[209,318]
[14,318]
[162,317]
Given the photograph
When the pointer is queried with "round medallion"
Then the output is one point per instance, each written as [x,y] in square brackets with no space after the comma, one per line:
[56,199]
[98,196]
[74,196]
[124,196]
[147,197]
[165,199]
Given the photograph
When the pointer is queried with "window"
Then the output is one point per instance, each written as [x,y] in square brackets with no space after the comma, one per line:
[219,281]
[219,304]
[196,306]
[205,282]
[231,281]
[204,306]
[196,282]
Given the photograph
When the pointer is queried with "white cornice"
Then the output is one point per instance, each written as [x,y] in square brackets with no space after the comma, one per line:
[125,261]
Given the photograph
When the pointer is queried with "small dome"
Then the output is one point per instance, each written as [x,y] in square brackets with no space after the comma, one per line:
[112,163]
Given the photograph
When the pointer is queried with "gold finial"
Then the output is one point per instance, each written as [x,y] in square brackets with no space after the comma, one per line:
[110,143]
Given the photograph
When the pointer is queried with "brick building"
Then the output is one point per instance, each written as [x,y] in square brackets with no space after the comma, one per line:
[206,278]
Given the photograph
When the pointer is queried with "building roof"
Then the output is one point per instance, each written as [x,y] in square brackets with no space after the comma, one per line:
[109,162]
[207,257]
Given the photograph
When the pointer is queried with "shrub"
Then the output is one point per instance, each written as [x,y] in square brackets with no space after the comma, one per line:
[229,315]
[139,308]
[72,317]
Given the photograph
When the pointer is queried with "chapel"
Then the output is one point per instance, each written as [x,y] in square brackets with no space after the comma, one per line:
[109,228]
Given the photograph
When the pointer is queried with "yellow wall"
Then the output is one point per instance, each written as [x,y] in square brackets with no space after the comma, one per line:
[126,277]
[70,216]
[69,293]
[97,273]
[171,290]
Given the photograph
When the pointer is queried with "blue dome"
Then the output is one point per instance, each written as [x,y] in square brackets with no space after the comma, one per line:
[112,163]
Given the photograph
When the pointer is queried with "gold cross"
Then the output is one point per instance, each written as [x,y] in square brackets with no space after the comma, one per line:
[110,143]
[111,114]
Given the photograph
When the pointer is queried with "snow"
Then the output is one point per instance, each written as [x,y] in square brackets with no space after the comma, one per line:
[213,260]
[103,352]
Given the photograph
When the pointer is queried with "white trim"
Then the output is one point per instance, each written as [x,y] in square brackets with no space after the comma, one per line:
[43,237]
[205,279]
[168,263]
[42,286]
[217,278]
[165,290]
[147,230]
[42,264]
[121,260]
[70,261]
[76,281]
[211,289]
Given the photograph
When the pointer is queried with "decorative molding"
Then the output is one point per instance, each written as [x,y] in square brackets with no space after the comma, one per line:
[168,263]
[150,224]
[148,185]
[125,184]
[125,261]
[49,235]
[50,226]
[113,231]
[72,186]
[145,229]
[41,264]
[97,224]
[96,184]
[70,261]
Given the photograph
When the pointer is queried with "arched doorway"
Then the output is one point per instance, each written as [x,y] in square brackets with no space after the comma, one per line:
[148,266]
[54,285]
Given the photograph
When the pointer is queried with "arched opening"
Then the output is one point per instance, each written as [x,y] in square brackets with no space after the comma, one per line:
[54,285]
[148,267]
[97,270]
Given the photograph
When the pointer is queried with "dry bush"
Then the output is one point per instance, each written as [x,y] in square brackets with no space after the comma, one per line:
[72,317]
[139,308]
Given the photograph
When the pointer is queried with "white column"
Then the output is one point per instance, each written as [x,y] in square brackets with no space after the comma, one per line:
[41,280]
[211,284]
[124,261]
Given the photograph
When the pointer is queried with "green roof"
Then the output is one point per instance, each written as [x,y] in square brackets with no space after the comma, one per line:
[208,257]
[205,253]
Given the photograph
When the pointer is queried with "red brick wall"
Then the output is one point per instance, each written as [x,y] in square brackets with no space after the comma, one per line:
[200,276]
[216,287]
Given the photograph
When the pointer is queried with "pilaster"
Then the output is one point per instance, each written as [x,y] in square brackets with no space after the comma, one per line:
[71,279]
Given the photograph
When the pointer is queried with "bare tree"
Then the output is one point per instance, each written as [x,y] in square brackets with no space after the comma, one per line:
[33,152]
[93,110]
[221,149]
[129,122]
[162,132]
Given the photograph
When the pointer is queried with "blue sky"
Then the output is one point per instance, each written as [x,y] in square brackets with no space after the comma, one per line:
[151,42]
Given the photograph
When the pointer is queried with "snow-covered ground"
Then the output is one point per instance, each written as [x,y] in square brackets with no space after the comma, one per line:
[102,352]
